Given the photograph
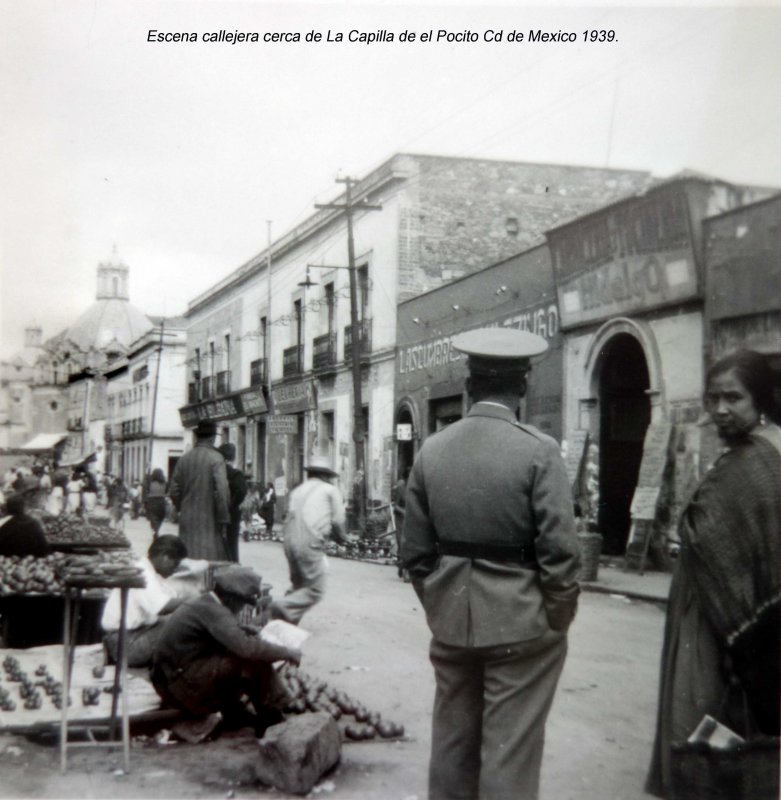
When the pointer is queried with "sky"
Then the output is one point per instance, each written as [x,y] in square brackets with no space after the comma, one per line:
[178,153]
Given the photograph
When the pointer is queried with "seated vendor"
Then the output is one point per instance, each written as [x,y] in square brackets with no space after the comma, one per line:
[20,533]
[206,660]
[147,608]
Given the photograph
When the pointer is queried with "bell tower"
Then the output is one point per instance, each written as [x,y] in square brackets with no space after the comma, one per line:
[112,278]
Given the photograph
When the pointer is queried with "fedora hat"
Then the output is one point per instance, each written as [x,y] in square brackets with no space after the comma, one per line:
[320,464]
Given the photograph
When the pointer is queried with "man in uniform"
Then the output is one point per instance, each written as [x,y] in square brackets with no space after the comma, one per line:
[489,541]
[199,491]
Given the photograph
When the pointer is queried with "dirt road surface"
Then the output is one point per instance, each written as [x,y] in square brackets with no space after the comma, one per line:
[369,639]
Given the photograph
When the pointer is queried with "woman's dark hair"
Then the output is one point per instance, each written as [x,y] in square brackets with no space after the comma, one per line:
[14,504]
[158,475]
[755,373]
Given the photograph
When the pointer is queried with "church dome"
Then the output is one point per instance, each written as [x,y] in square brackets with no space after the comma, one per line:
[111,323]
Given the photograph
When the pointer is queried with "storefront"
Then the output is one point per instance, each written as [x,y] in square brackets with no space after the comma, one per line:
[294,406]
[237,416]
[517,293]
[629,281]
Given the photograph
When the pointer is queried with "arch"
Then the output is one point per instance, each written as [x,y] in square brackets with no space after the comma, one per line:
[643,333]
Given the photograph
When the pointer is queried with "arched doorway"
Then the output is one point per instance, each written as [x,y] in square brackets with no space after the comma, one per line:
[625,412]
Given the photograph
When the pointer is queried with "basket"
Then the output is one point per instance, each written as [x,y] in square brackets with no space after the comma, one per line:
[702,772]
[590,550]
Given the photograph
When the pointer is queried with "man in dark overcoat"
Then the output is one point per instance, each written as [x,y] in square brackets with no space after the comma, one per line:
[489,541]
[199,491]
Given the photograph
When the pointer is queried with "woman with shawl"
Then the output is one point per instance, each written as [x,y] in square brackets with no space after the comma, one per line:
[723,613]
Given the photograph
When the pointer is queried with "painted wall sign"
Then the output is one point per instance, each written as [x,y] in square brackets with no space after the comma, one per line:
[630,284]
[542,320]
[404,432]
[292,398]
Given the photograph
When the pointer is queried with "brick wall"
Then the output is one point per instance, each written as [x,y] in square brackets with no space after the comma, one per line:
[459,210]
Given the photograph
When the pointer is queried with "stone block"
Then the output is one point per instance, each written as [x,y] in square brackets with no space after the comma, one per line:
[296,753]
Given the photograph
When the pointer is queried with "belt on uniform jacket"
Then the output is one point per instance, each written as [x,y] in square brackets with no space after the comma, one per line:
[517,554]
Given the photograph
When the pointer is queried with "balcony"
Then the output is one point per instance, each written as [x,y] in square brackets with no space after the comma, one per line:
[257,372]
[223,382]
[207,388]
[292,361]
[133,428]
[193,395]
[324,353]
[365,336]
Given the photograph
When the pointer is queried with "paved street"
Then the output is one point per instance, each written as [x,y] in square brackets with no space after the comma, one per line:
[369,638]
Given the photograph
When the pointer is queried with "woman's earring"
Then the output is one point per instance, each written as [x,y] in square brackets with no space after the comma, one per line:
[762,420]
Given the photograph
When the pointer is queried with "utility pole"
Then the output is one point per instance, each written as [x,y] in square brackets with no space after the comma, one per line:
[148,468]
[360,467]
[266,356]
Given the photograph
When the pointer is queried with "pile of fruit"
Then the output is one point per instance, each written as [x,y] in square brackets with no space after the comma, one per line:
[377,550]
[73,530]
[311,694]
[30,575]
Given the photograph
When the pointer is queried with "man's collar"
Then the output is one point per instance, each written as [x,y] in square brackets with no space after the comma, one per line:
[489,408]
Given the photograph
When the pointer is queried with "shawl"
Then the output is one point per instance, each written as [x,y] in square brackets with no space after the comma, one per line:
[730,537]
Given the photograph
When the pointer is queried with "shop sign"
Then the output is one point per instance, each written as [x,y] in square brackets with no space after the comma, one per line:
[631,284]
[404,432]
[293,398]
[253,402]
[649,481]
[221,408]
[282,425]
[542,320]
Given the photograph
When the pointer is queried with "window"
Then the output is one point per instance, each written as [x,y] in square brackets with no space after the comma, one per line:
[363,291]
[298,318]
[226,352]
[327,435]
[211,358]
[198,362]
[263,338]
[330,306]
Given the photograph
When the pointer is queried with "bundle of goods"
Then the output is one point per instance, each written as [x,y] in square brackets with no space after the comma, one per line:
[355,720]
[74,532]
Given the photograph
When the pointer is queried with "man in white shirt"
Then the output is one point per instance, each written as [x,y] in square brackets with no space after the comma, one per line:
[146,608]
[315,513]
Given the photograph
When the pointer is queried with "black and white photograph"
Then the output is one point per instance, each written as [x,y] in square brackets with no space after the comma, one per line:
[390,399]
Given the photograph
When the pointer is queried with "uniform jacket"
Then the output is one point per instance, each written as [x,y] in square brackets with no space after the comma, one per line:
[199,490]
[487,480]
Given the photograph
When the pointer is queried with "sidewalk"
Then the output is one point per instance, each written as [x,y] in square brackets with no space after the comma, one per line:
[612,578]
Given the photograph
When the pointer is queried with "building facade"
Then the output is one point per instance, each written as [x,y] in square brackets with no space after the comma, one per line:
[144,393]
[517,293]
[290,333]
[630,280]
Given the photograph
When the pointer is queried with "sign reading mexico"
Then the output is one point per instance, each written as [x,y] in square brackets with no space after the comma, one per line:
[629,284]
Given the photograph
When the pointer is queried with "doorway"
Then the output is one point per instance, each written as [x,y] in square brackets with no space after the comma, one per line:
[405,448]
[625,412]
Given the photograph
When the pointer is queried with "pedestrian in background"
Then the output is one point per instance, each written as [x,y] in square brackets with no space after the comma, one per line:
[489,541]
[237,486]
[723,617]
[73,494]
[267,507]
[200,494]
[155,500]
[315,513]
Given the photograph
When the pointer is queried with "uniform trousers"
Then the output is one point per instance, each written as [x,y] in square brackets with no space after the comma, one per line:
[308,569]
[489,717]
